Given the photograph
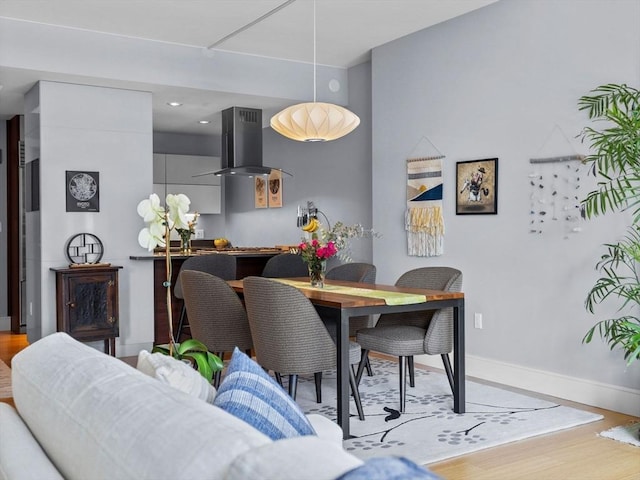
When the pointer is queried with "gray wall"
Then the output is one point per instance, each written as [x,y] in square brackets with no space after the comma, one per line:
[184,144]
[496,83]
[335,175]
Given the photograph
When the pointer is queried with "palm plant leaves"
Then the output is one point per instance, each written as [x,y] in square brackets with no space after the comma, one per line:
[616,161]
[616,157]
[620,279]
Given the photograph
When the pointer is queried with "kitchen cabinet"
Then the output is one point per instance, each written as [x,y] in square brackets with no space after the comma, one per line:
[250,263]
[177,174]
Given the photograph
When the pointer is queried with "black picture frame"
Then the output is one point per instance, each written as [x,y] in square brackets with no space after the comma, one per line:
[477,187]
[83,191]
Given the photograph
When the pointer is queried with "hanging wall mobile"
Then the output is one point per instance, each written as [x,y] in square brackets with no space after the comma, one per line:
[555,196]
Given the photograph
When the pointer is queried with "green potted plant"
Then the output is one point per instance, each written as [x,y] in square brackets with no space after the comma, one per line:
[615,162]
[196,353]
[159,224]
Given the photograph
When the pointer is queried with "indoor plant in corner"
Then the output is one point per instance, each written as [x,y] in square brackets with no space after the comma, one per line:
[159,224]
[616,163]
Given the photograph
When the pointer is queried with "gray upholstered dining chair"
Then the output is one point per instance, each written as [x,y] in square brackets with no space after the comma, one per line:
[355,272]
[289,337]
[216,314]
[352,272]
[285,265]
[219,264]
[415,333]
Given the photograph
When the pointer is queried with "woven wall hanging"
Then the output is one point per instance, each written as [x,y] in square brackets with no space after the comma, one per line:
[424,221]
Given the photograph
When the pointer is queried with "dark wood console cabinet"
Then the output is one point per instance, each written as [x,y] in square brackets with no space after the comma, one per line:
[87,304]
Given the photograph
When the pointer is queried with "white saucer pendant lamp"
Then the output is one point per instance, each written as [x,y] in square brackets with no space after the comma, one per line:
[314,121]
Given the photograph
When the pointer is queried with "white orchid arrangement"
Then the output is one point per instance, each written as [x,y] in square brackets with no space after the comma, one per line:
[161,221]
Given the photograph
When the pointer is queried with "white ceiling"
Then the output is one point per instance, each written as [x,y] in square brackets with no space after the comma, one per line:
[347,31]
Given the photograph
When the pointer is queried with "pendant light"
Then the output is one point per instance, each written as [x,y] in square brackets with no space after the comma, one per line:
[314,121]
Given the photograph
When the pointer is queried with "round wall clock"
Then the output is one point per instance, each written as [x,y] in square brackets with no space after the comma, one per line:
[83,187]
[84,248]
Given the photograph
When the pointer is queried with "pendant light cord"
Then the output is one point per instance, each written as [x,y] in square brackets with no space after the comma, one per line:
[314,51]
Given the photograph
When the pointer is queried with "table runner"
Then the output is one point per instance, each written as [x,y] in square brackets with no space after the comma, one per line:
[390,298]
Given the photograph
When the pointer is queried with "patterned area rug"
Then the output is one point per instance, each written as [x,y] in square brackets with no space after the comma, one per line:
[5,381]
[429,431]
[628,434]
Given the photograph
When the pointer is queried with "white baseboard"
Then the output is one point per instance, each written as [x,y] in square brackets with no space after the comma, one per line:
[132,349]
[122,350]
[609,397]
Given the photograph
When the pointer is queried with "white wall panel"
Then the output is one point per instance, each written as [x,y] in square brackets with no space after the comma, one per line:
[108,131]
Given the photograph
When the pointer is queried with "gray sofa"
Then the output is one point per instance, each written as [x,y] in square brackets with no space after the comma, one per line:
[81,414]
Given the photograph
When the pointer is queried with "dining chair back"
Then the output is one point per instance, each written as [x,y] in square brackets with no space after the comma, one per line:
[285,265]
[355,272]
[415,333]
[219,264]
[289,337]
[216,314]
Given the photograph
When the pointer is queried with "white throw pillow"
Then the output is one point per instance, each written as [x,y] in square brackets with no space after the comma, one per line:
[176,374]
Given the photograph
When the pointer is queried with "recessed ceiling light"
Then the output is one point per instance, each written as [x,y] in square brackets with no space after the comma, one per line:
[204,122]
[174,104]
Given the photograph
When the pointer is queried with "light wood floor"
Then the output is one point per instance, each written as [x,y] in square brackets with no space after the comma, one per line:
[574,454]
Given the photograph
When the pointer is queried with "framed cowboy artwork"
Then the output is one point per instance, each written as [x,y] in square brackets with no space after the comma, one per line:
[477,187]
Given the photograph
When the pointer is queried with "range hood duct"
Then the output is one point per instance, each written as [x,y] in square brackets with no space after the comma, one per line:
[242,143]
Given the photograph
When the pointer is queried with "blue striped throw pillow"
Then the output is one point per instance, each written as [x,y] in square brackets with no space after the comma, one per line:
[248,393]
[389,468]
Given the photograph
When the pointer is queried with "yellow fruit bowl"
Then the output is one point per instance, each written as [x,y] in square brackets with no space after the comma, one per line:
[220,243]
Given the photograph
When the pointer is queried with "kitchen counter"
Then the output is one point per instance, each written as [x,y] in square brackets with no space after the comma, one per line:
[238,251]
[249,261]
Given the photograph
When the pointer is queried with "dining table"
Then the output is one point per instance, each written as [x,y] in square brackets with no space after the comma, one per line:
[351,299]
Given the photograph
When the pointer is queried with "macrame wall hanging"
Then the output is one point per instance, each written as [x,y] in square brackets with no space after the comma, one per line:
[424,221]
[554,184]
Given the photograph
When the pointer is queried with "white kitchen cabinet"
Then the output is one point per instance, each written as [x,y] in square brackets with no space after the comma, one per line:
[181,169]
[204,198]
[159,168]
[177,174]
[160,189]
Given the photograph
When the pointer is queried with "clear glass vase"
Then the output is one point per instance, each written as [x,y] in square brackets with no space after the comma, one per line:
[317,271]
[185,243]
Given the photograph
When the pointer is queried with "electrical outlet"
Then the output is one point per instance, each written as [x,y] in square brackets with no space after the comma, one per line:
[199,233]
[477,320]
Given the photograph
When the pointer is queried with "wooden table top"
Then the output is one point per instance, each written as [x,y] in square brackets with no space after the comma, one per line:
[335,299]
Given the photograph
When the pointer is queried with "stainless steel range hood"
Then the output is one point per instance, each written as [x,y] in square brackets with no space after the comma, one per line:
[242,143]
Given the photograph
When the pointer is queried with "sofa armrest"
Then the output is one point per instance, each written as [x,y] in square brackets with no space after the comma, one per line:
[325,429]
[298,458]
[21,457]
